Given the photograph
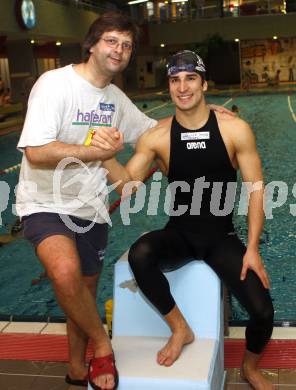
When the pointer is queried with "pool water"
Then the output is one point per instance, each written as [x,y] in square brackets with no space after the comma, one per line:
[275,130]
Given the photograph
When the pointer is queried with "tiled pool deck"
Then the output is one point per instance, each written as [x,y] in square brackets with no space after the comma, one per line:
[49,375]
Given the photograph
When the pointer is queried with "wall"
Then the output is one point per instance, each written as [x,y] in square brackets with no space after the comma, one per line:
[53,20]
[146,68]
[247,27]
[269,61]
[223,64]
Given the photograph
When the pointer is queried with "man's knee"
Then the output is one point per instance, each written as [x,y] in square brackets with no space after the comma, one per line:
[59,256]
[65,276]
[267,315]
[140,255]
[264,315]
[91,282]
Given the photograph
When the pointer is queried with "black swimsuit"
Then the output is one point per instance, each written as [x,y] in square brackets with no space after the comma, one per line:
[200,159]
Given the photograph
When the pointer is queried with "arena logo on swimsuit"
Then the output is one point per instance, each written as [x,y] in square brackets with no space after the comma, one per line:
[93,118]
[196,145]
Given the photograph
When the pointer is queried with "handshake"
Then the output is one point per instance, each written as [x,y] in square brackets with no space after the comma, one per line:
[108,139]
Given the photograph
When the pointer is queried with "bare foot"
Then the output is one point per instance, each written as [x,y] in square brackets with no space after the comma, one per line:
[172,350]
[105,382]
[256,379]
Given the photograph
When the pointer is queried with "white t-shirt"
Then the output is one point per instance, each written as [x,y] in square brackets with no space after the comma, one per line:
[61,107]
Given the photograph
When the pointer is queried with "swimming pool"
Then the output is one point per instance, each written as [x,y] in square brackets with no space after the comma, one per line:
[275,128]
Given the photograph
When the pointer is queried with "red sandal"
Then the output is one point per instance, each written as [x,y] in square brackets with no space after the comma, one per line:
[101,366]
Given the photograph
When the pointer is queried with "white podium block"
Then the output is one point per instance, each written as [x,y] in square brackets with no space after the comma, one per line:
[139,332]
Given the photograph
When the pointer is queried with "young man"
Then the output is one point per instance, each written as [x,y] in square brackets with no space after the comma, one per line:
[63,105]
[198,149]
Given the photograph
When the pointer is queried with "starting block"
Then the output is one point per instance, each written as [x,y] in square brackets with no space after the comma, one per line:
[139,331]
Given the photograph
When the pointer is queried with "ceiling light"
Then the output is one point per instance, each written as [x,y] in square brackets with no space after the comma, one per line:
[137,2]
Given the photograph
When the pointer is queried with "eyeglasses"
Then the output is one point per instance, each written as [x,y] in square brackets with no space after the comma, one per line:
[114,42]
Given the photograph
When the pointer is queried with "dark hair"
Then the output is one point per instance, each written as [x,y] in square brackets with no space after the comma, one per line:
[109,21]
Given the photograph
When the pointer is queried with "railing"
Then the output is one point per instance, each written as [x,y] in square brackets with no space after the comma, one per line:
[90,5]
[158,12]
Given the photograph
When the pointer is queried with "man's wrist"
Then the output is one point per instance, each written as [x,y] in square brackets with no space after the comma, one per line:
[253,246]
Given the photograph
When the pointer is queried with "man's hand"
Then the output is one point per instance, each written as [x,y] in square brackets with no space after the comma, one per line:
[252,260]
[221,109]
[107,138]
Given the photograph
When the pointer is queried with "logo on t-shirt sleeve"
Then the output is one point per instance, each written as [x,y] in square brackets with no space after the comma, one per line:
[107,107]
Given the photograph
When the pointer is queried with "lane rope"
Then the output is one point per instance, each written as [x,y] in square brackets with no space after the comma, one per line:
[291,108]
[117,203]
[228,101]
[157,107]
[10,169]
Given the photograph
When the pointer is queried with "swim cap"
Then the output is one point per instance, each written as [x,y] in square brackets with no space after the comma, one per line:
[185,61]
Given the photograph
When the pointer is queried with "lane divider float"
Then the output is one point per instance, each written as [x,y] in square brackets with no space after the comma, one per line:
[10,169]
[228,101]
[291,108]
[114,205]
